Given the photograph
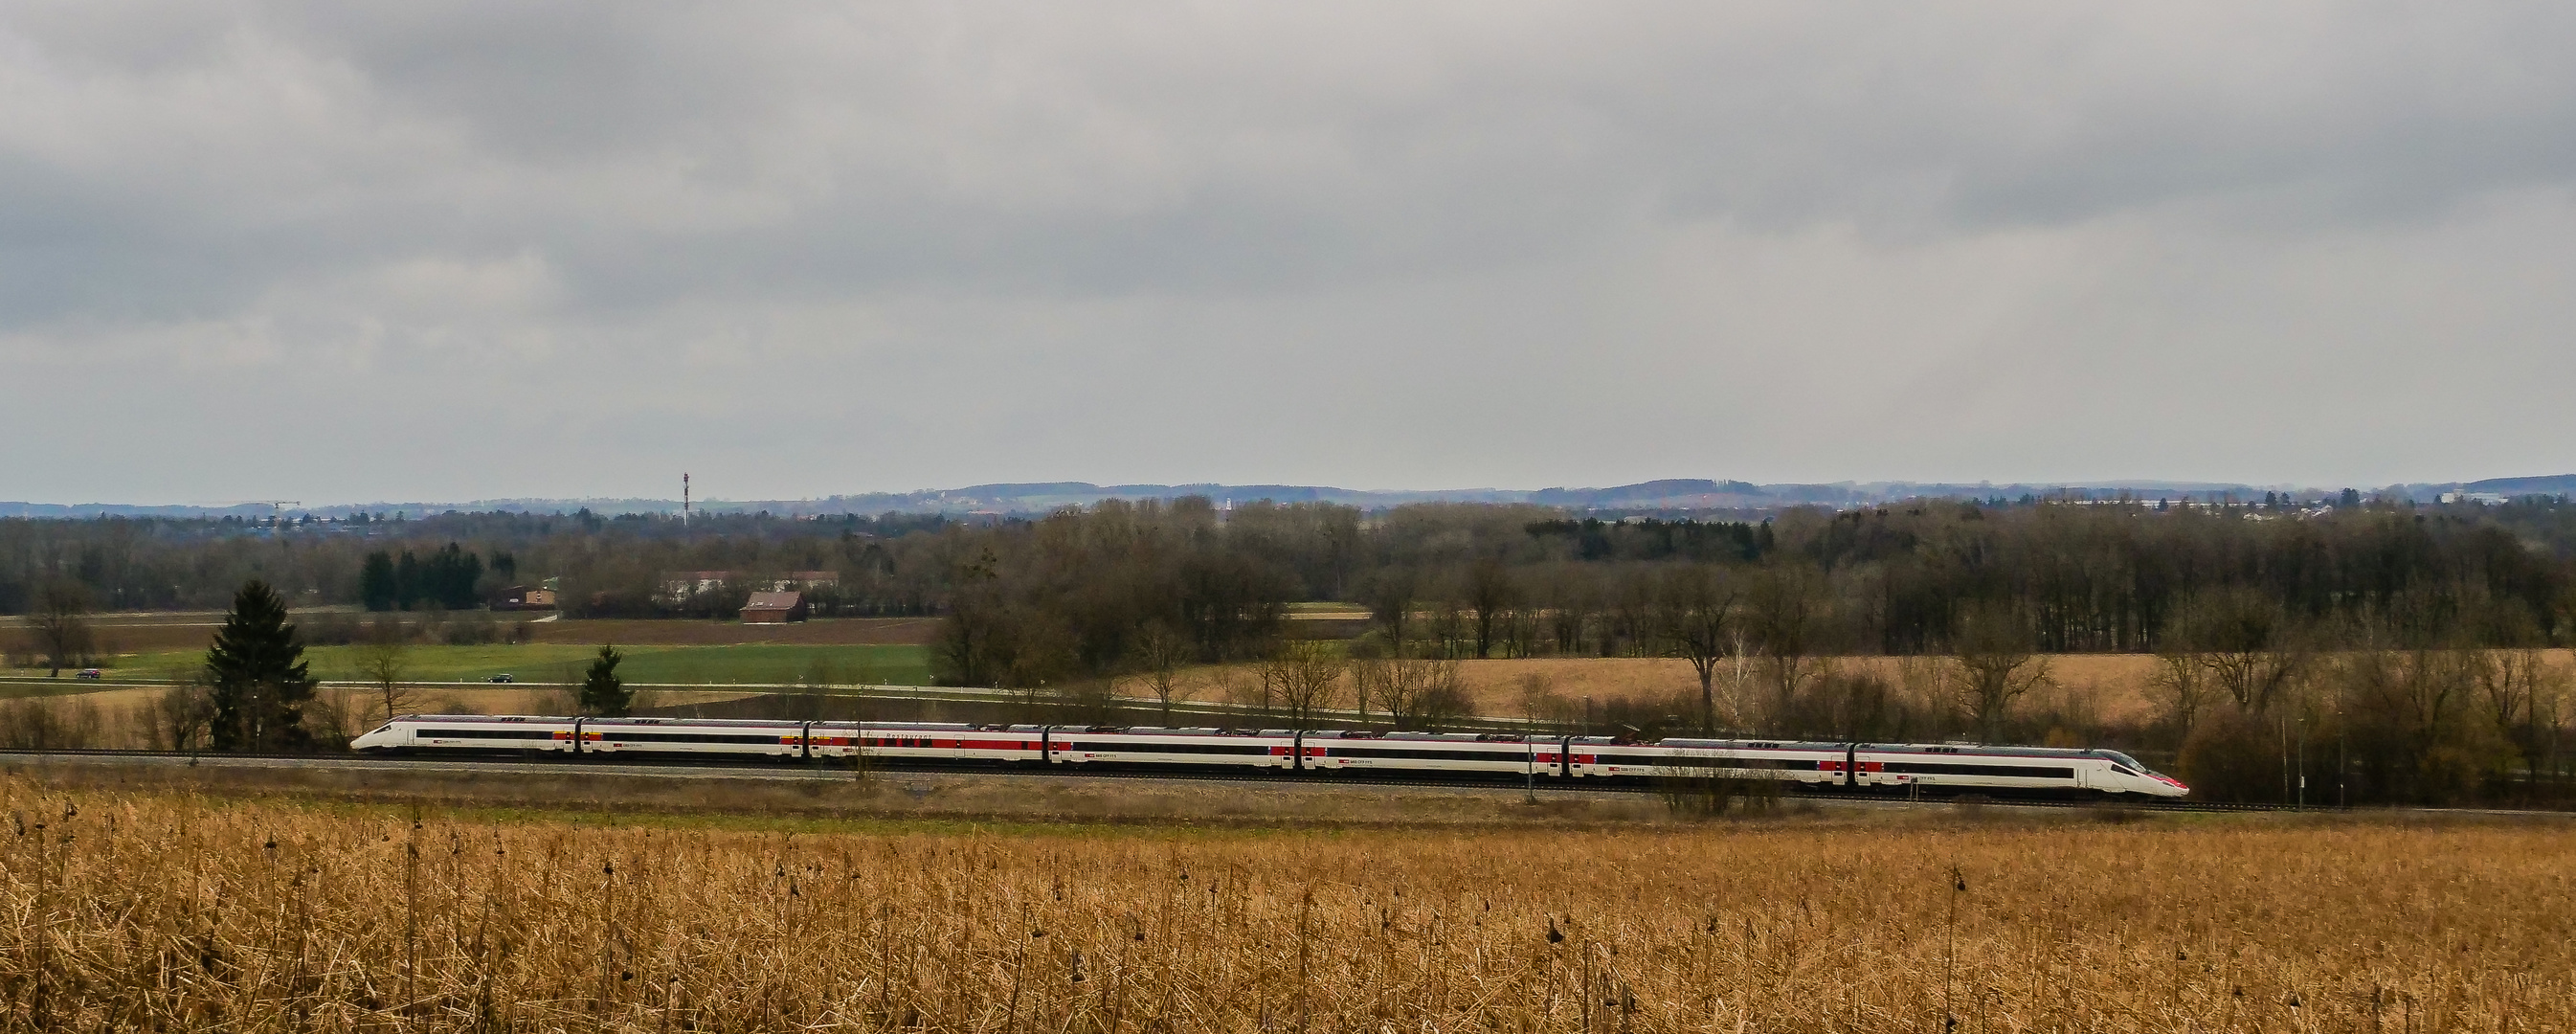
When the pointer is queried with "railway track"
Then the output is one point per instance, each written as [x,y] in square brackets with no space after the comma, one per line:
[808,771]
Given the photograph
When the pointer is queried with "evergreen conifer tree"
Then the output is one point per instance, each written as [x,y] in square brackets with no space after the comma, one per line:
[376,581]
[603,694]
[258,673]
[407,588]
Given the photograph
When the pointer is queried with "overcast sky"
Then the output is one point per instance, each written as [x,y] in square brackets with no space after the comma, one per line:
[341,251]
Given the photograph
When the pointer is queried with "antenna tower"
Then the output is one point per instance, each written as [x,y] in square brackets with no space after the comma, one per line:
[684,497]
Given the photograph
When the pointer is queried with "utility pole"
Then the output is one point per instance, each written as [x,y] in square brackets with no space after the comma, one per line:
[2343,758]
[2303,762]
[2281,725]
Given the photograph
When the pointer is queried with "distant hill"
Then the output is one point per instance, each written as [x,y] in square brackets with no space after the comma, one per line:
[1677,495]
[2556,484]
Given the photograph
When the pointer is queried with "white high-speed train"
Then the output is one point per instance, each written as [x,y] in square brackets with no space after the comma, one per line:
[1950,767]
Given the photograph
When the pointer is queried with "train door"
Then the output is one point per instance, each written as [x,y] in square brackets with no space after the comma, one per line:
[1866,771]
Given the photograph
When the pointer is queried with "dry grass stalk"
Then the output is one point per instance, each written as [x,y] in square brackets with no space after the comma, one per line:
[162,911]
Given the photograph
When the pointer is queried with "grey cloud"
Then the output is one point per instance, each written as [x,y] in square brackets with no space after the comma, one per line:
[1842,239]
[884,142]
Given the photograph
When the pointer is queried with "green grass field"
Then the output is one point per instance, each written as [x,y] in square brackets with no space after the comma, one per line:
[562,662]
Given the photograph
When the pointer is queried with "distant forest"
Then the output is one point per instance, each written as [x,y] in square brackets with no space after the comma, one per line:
[2406,636]
[1470,580]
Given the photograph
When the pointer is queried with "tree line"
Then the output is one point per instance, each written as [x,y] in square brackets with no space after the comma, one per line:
[2091,578]
[1487,581]
[2407,638]
[609,566]
[2375,626]
[449,578]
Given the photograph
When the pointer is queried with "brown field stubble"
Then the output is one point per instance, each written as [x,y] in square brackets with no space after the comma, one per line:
[2117,685]
[2114,688]
[171,912]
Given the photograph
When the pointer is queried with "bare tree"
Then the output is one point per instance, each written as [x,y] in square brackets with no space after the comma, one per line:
[1922,682]
[1159,651]
[2416,732]
[2520,686]
[1415,692]
[1391,595]
[1441,700]
[2250,647]
[1491,593]
[1695,621]
[1372,679]
[1536,696]
[1997,663]
[1785,608]
[182,717]
[1087,701]
[1304,677]
[1520,631]
[1631,611]
[384,659]
[2183,679]
[1853,702]
[1448,626]
[1570,603]
[55,723]
[61,622]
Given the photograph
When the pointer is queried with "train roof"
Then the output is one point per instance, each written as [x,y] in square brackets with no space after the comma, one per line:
[505,719]
[1686,743]
[1747,744]
[495,718]
[1973,749]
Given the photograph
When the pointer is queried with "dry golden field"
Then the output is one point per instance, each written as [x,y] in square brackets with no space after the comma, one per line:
[164,911]
[2116,684]
[2115,689]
